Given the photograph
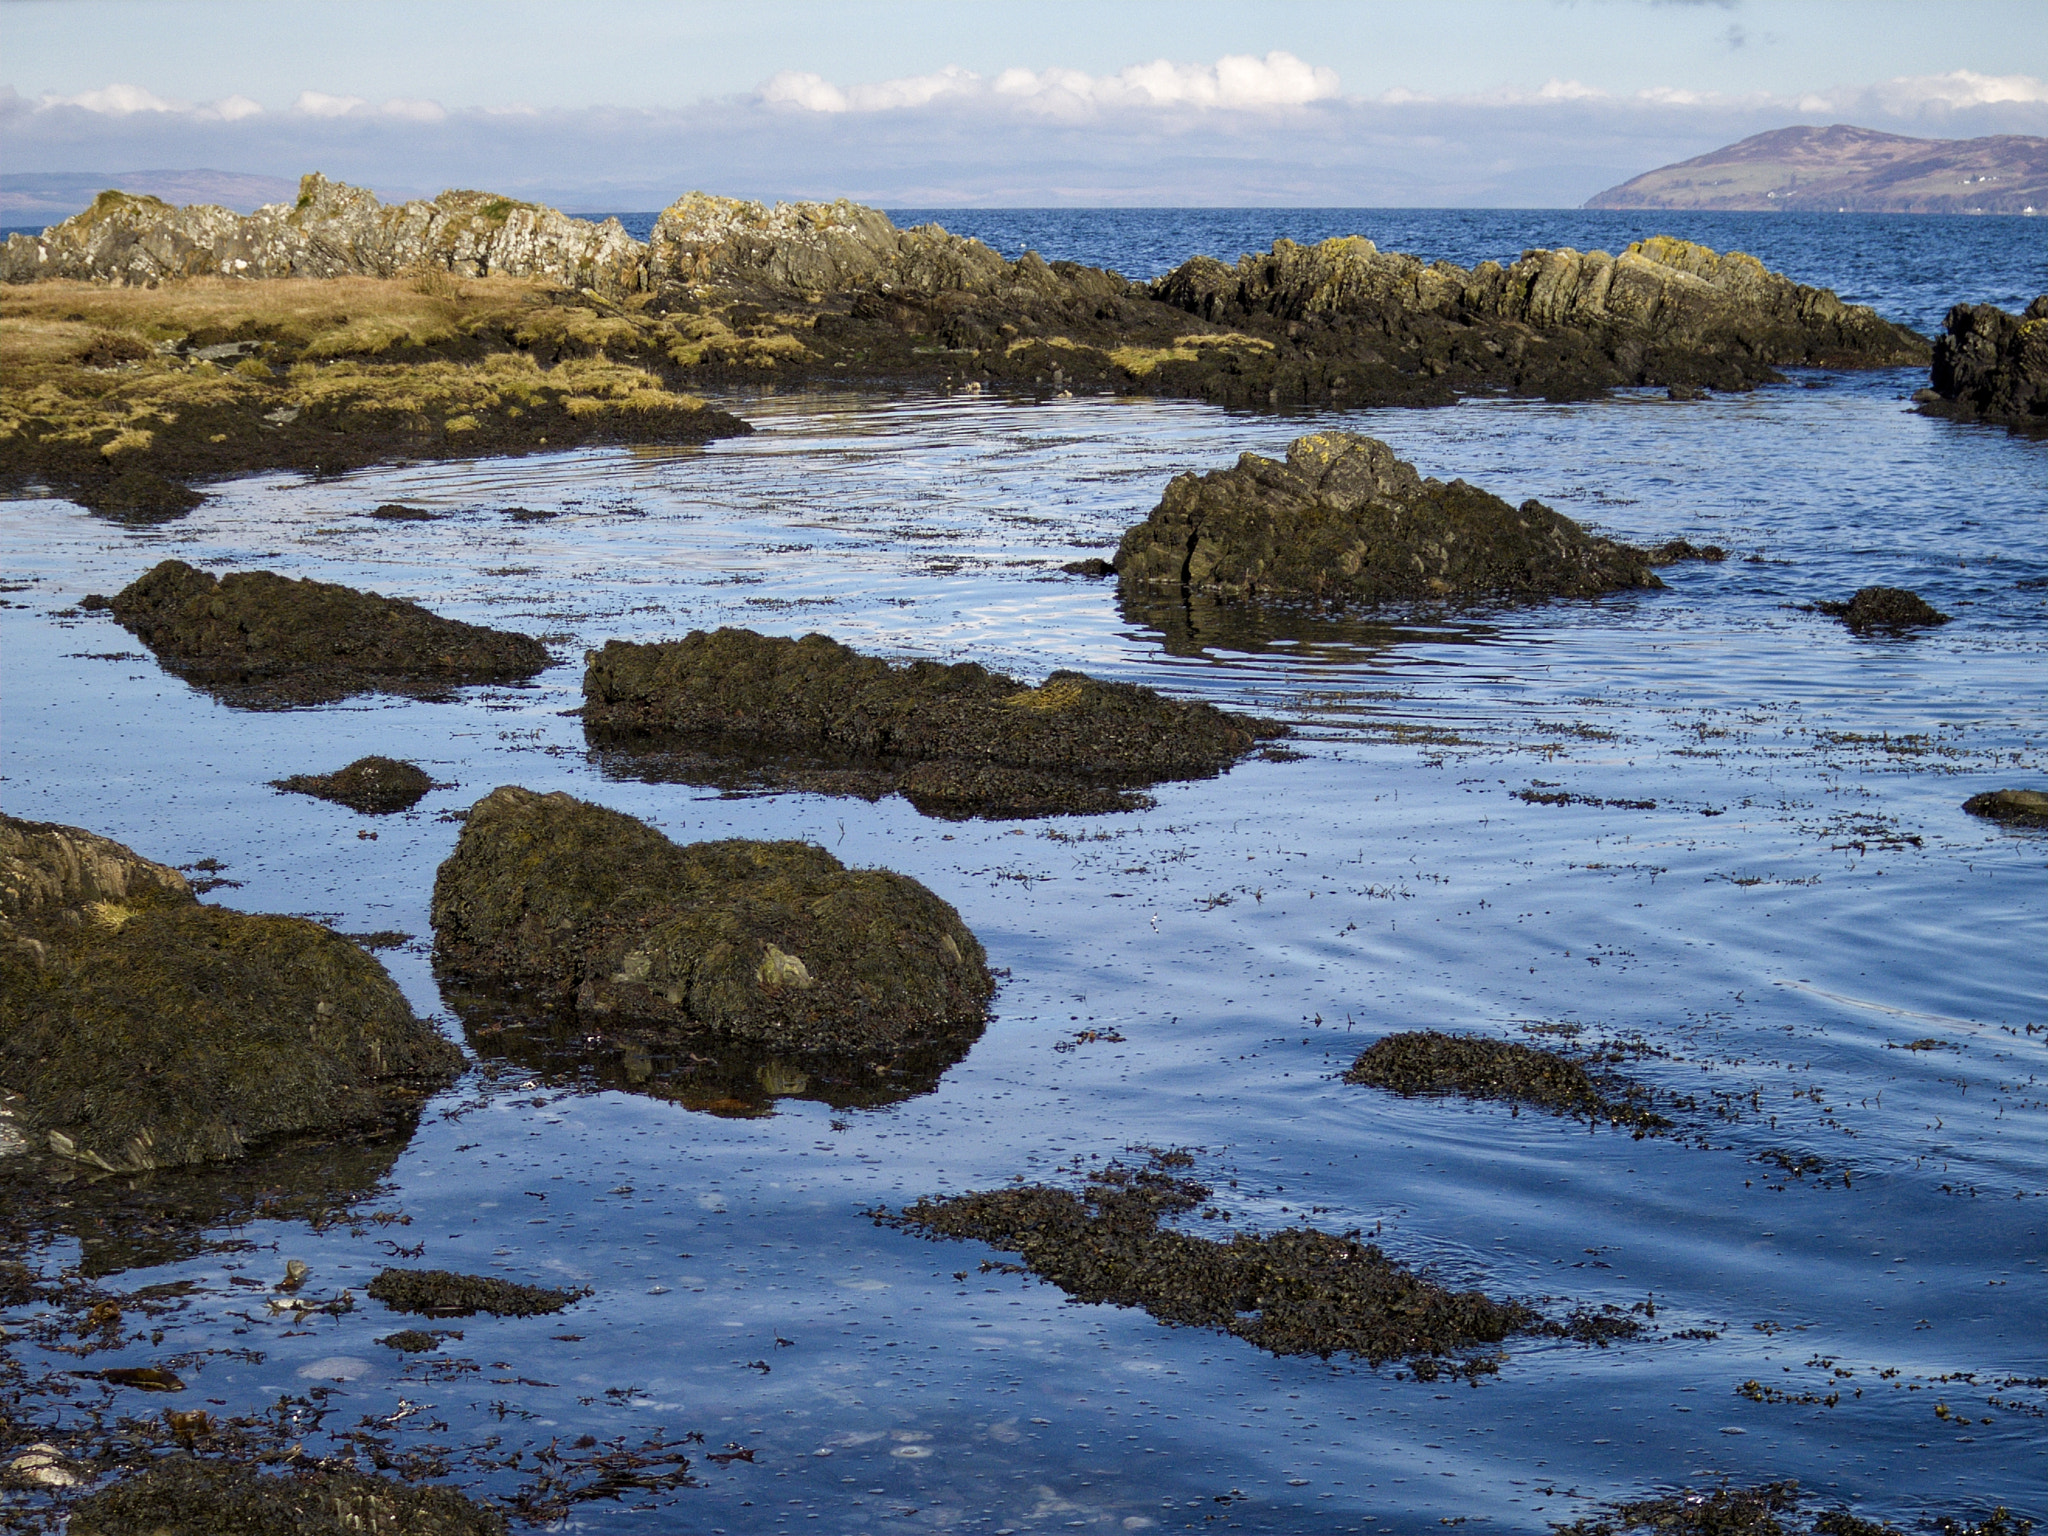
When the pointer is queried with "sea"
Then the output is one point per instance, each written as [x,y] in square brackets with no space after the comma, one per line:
[1703,832]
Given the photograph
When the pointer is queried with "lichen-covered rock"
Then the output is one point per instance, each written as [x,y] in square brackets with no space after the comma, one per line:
[777,943]
[1890,609]
[956,740]
[2014,807]
[257,637]
[376,786]
[1990,365]
[144,1029]
[814,248]
[189,1496]
[1345,520]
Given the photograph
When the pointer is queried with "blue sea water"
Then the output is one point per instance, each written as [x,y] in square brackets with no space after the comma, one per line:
[1762,892]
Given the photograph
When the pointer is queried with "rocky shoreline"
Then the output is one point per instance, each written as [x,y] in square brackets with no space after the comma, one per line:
[1992,366]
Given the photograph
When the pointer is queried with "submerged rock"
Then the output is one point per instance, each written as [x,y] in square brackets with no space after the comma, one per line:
[1345,520]
[443,1293]
[376,786]
[1431,1063]
[774,943]
[2014,807]
[955,740]
[144,1029]
[255,638]
[187,1496]
[1990,365]
[1886,608]
[1293,1292]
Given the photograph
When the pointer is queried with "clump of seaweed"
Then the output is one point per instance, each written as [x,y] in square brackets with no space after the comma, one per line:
[1763,1510]
[254,637]
[411,1341]
[2014,807]
[443,1293]
[184,1495]
[1431,1063]
[1293,1292]
[147,1029]
[1885,608]
[955,740]
[775,943]
[376,786]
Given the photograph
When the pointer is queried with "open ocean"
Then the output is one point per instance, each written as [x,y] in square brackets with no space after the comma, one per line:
[1761,891]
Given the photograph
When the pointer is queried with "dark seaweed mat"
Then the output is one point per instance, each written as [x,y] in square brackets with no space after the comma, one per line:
[1431,1063]
[2014,807]
[1293,1292]
[1755,1511]
[1885,608]
[376,786]
[187,1496]
[443,1293]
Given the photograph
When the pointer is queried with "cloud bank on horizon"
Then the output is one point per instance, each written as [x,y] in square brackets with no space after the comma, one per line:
[1243,130]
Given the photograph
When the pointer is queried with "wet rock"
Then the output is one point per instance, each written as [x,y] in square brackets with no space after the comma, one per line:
[1296,1291]
[1990,365]
[187,1496]
[1431,1063]
[144,1029]
[256,638]
[376,786]
[1672,551]
[443,1293]
[774,943]
[1095,567]
[955,740]
[1344,520]
[1885,608]
[411,1341]
[398,512]
[137,497]
[2014,807]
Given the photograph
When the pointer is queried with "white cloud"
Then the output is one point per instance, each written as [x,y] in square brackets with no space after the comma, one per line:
[1238,82]
[1958,89]
[320,104]
[414,110]
[233,109]
[117,101]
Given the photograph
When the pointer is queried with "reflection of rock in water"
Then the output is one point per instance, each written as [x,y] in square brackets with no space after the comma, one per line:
[1191,623]
[134,1220]
[698,1070]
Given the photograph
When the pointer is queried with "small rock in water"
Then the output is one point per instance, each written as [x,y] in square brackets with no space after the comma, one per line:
[2014,807]
[398,512]
[442,1293]
[1886,608]
[376,786]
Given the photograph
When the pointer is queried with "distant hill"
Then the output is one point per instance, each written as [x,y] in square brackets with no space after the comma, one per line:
[1850,170]
[48,197]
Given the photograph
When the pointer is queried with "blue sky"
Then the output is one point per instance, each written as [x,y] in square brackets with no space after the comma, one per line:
[628,103]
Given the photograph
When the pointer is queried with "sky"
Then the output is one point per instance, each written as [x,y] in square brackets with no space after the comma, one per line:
[626,104]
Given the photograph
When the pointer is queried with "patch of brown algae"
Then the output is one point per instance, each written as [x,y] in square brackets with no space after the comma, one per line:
[1430,1063]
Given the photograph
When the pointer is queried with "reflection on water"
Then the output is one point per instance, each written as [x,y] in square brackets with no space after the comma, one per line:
[1313,635]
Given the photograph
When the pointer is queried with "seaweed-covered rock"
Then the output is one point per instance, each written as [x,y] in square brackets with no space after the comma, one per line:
[443,1293]
[1885,608]
[144,1029]
[1293,1292]
[2014,807]
[188,1496]
[376,786]
[1990,365]
[1343,519]
[1429,1062]
[956,740]
[257,637]
[776,943]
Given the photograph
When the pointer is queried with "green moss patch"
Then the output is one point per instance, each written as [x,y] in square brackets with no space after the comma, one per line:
[956,740]
[376,786]
[254,638]
[443,1293]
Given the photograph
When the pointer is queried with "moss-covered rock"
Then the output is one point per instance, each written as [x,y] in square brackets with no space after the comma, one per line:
[144,1029]
[188,1496]
[376,786]
[1885,610]
[956,740]
[776,943]
[254,637]
[2014,807]
[444,1293]
[1343,519]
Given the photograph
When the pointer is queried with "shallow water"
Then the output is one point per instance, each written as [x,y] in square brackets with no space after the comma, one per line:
[1806,900]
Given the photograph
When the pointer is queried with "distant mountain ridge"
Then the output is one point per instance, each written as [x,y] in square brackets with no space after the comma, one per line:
[1844,169]
[48,197]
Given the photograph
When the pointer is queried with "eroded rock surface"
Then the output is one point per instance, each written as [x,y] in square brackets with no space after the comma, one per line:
[1990,365]
[144,1029]
[1343,519]
[255,637]
[776,943]
[955,740]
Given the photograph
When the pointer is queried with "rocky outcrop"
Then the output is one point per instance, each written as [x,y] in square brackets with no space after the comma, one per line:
[332,230]
[1345,520]
[776,943]
[1990,365]
[812,249]
[257,638]
[955,740]
[145,1029]
[1557,321]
